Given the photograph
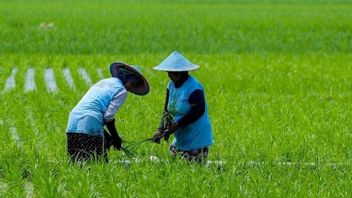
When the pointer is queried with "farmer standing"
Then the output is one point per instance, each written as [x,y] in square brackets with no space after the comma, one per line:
[86,137]
[185,111]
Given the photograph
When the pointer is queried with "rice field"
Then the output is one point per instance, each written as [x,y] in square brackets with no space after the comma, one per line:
[277,78]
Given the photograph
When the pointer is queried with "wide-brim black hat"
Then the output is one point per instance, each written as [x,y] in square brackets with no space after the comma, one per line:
[117,67]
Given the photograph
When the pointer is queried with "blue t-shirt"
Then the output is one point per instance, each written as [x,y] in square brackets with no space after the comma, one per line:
[87,116]
[197,134]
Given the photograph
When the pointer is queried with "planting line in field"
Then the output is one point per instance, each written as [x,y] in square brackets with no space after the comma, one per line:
[68,78]
[29,115]
[61,189]
[220,163]
[50,82]
[16,137]
[33,123]
[85,76]
[28,186]
[100,73]
[39,146]
[257,163]
[93,191]
[30,84]
[3,187]
[10,82]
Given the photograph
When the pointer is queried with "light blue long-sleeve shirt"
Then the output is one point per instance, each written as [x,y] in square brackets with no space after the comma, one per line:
[97,106]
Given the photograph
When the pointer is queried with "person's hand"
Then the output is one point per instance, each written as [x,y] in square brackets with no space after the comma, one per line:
[170,130]
[117,142]
[107,140]
[157,137]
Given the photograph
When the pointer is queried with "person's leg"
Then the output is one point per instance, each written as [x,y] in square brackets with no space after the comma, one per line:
[83,147]
[173,151]
[96,149]
[196,155]
[101,150]
[203,155]
[83,150]
[107,140]
[73,146]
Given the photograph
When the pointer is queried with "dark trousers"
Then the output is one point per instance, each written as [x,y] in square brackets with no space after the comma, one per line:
[196,155]
[83,147]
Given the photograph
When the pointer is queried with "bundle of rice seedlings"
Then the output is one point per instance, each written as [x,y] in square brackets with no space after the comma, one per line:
[130,148]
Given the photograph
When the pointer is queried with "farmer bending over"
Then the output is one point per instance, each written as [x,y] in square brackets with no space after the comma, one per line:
[185,111]
[86,137]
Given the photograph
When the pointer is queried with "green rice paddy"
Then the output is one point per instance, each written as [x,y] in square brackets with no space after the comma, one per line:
[277,78]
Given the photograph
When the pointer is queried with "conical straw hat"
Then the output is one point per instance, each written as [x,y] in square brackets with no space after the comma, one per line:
[176,62]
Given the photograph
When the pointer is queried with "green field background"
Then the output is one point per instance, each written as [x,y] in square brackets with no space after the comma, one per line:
[277,79]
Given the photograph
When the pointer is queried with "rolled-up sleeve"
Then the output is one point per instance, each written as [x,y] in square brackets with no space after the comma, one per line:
[115,105]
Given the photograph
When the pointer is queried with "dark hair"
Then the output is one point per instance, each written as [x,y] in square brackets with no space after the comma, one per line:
[133,78]
[123,74]
[181,73]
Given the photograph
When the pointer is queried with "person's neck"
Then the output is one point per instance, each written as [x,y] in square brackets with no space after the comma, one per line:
[182,80]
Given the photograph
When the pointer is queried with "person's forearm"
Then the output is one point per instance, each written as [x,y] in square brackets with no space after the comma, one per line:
[112,129]
[116,140]
[166,100]
[162,122]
